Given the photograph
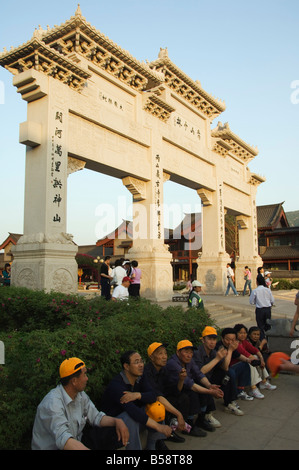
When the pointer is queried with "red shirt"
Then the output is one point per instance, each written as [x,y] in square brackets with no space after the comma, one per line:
[246,349]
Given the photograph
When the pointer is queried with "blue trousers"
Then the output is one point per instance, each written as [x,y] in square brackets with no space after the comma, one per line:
[134,430]
[231,285]
[240,375]
[247,283]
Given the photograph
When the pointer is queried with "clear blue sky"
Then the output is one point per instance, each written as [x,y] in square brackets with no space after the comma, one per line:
[245,53]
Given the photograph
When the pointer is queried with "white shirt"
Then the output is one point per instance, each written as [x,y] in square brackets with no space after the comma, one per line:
[229,272]
[120,293]
[118,274]
[261,297]
[59,418]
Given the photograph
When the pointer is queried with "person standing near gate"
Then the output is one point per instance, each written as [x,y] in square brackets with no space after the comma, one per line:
[105,278]
[263,300]
[230,280]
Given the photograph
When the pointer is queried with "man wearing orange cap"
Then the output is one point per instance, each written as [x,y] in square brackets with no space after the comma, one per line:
[62,414]
[157,375]
[195,384]
[126,397]
[210,362]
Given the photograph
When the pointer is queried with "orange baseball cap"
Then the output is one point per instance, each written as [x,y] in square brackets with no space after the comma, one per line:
[185,343]
[70,366]
[156,411]
[209,331]
[152,348]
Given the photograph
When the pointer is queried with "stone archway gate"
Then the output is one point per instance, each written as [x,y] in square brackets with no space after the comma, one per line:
[91,104]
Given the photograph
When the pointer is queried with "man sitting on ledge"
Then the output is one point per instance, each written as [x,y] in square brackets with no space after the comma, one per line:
[127,396]
[63,413]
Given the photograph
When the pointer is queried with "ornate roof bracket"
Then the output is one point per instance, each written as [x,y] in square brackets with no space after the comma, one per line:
[155,105]
[221,147]
[206,196]
[242,221]
[255,179]
[73,165]
[136,187]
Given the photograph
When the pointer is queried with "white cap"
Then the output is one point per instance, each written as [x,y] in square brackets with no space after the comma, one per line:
[268,272]
[196,284]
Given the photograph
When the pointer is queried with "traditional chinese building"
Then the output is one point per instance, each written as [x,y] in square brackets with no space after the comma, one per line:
[6,246]
[278,242]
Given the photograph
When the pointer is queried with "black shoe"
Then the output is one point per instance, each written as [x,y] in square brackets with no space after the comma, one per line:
[202,423]
[175,438]
[160,445]
[196,432]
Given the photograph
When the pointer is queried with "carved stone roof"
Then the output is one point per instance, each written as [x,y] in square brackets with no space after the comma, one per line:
[185,87]
[226,141]
[67,42]
[36,55]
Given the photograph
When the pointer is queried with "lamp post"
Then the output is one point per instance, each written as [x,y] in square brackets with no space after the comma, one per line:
[98,261]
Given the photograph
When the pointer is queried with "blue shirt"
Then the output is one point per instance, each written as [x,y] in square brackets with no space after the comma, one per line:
[174,367]
[59,418]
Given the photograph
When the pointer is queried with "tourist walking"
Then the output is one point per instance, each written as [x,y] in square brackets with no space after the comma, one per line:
[230,280]
[247,278]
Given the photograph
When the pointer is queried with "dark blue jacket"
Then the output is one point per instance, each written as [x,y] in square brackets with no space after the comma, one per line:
[136,409]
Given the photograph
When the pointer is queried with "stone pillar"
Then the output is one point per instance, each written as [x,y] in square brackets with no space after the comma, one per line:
[148,234]
[44,258]
[248,247]
[211,269]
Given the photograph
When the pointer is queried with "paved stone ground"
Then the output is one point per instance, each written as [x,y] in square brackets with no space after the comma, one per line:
[268,424]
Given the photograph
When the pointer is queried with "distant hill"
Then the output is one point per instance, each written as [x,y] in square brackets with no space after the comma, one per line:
[293,218]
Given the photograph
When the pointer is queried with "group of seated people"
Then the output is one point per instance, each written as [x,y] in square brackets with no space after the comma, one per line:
[167,395]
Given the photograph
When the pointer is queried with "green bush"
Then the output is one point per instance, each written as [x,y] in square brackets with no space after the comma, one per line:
[40,330]
[285,284]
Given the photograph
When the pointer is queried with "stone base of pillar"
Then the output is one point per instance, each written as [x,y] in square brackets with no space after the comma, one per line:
[45,266]
[154,262]
[211,272]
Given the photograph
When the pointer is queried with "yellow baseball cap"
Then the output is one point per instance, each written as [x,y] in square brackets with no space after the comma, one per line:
[152,348]
[156,411]
[209,331]
[70,366]
[185,343]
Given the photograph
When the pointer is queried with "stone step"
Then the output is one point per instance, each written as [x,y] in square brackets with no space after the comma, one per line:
[231,321]
[226,316]
[214,307]
[221,313]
